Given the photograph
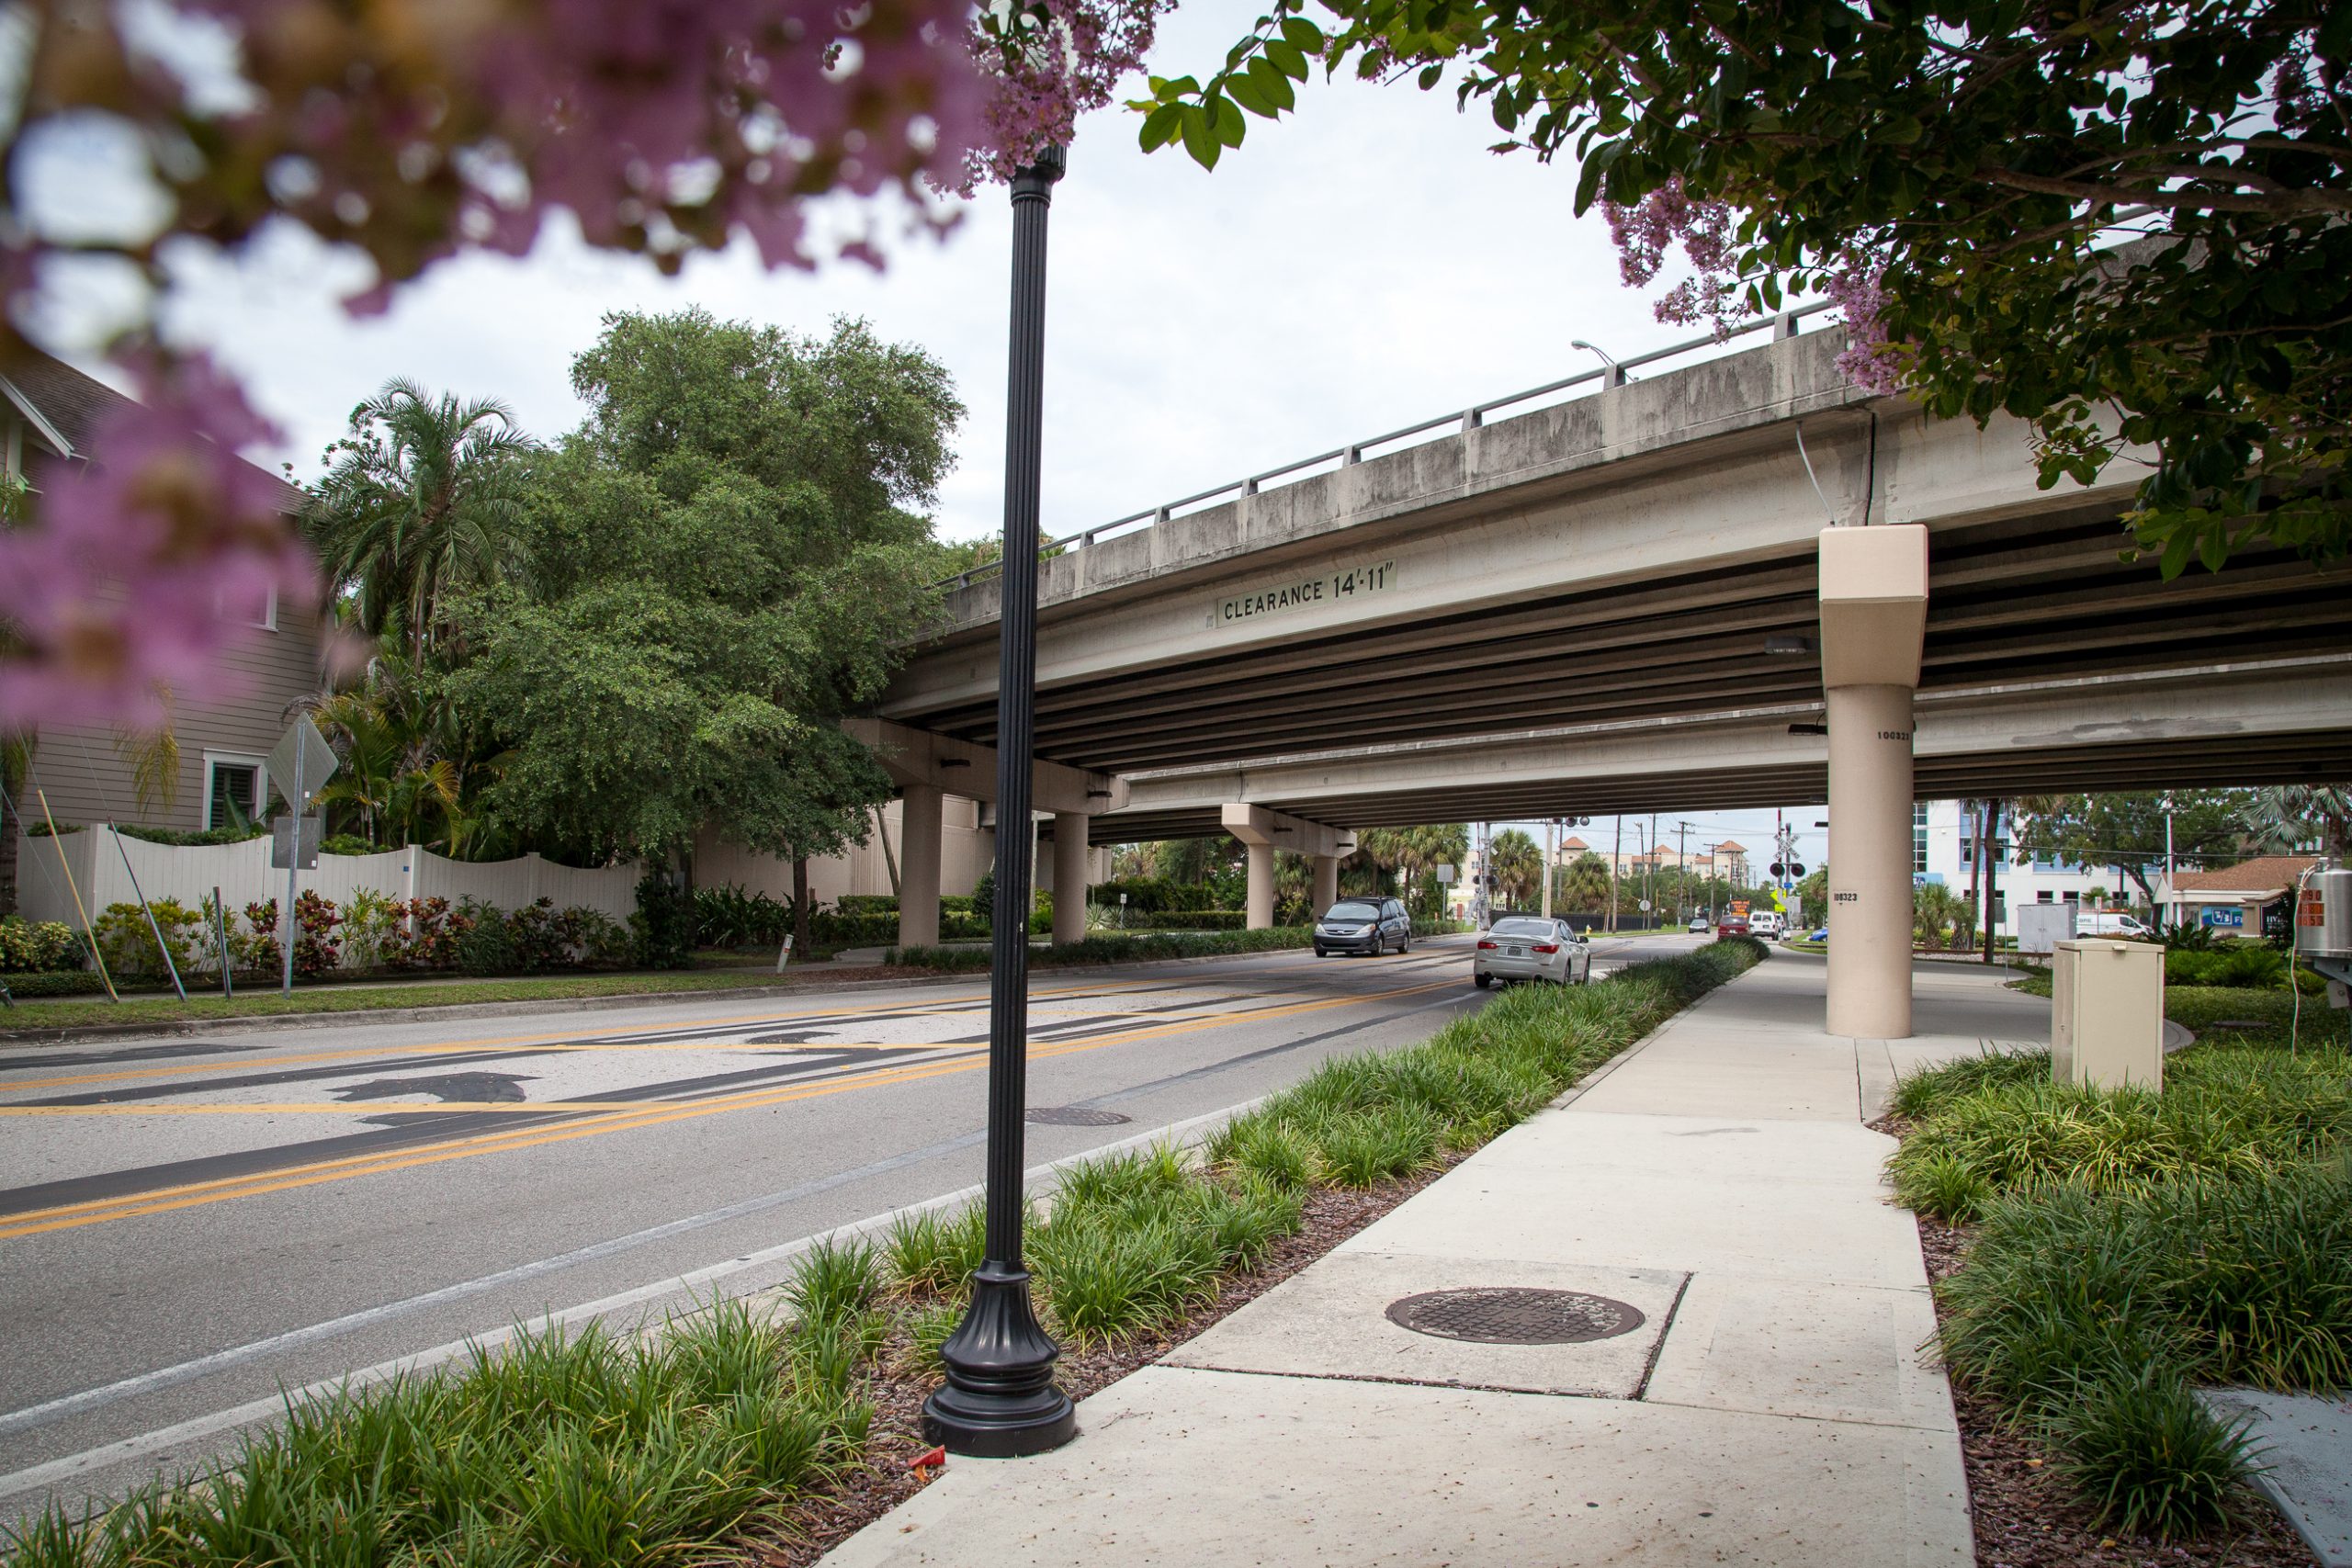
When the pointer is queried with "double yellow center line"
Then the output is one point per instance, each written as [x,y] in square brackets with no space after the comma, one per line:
[71,1216]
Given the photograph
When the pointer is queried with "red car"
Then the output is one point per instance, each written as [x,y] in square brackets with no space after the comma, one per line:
[1731,925]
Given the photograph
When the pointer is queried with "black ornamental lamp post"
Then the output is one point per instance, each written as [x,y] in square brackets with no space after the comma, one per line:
[999,1401]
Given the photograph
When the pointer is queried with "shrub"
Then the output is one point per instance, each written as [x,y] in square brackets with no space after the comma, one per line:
[372,933]
[27,946]
[730,917]
[663,924]
[835,1281]
[434,929]
[317,949]
[869,903]
[1364,1148]
[184,838]
[256,947]
[2149,1455]
[128,945]
[2227,1109]
[486,942]
[542,936]
[347,845]
[2090,1314]
[53,983]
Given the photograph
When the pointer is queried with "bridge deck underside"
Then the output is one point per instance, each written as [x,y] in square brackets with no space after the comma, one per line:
[2312,757]
[2018,600]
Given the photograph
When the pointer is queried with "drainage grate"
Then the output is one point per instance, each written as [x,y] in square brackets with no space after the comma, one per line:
[1509,1315]
[1073,1116]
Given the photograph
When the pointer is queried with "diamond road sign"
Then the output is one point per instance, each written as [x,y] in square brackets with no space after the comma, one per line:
[301,746]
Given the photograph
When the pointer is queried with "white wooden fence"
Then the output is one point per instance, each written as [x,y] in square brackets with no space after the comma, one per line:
[96,856]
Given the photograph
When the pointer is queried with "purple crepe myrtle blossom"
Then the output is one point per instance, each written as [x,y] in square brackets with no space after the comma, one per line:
[415,132]
[1042,87]
[148,560]
[1646,232]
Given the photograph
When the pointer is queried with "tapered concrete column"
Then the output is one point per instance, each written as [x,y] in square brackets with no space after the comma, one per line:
[1069,876]
[919,834]
[1325,884]
[1261,886]
[1869,862]
[1874,623]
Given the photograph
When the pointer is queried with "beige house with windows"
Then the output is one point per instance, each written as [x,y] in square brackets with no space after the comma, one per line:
[88,773]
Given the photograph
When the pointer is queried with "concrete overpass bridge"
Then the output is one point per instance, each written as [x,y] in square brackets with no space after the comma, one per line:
[1626,601]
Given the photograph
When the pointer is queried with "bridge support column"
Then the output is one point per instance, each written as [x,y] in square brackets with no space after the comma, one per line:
[1873,620]
[1261,902]
[1069,876]
[1261,831]
[919,834]
[1325,885]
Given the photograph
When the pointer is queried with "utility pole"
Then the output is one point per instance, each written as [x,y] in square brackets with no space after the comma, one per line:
[1617,866]
[1551,853]
[1649,871]
[1681,873]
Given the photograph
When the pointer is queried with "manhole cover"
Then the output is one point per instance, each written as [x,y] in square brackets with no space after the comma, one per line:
[1508,1316]
[1074,1116]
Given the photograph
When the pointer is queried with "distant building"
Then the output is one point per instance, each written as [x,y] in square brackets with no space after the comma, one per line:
[2237,900]
[1944,852]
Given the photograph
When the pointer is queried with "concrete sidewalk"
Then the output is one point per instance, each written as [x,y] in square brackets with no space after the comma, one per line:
[1762,1400]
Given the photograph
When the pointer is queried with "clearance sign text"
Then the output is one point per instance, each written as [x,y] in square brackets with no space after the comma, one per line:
[1275,597]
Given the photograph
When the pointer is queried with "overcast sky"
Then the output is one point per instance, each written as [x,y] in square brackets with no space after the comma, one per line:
[1361,265]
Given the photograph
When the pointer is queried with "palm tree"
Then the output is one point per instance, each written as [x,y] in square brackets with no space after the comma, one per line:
[2285,818]
[1517,864]
[423,502]
[403,762]
[1584,883]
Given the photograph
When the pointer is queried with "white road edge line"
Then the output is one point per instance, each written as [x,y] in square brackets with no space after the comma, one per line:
[44,1476]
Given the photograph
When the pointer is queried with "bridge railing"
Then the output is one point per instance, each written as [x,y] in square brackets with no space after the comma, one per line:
[1783,325]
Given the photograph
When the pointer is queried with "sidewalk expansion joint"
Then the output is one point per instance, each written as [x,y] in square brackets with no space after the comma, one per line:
[1665,1329]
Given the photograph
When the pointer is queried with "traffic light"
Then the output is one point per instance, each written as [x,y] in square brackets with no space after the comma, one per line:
[1780,870]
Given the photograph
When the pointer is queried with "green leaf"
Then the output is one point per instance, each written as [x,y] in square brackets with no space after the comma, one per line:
[1244,90]
[1160,125]
[1272,84]
[1198,139]
[1302,34]
[1224,120]
[1287,58]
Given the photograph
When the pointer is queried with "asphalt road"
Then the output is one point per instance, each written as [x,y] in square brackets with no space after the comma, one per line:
[189,1227]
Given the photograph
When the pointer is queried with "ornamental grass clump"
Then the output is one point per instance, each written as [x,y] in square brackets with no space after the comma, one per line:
[583,1448]
[2228,1109]
[2090,1315]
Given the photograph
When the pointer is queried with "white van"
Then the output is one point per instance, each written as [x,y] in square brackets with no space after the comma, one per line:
[1766,922]
[2104,922]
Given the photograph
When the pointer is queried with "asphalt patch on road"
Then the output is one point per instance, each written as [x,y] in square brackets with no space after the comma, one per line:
[478,1089]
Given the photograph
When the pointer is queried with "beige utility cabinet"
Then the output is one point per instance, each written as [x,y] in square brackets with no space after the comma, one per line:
[2106,1024]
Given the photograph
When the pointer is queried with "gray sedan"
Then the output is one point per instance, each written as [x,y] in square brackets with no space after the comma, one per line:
[1529,947]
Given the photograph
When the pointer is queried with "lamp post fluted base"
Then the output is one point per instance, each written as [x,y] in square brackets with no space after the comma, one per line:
[999,1401]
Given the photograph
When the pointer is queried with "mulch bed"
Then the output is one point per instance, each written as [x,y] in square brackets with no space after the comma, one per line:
[2029,1515]
[825,1517]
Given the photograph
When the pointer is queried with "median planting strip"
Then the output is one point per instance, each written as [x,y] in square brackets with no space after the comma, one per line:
[2101,1255]
[773,1430]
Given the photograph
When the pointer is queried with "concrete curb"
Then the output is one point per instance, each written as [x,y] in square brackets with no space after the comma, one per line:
[68,1034]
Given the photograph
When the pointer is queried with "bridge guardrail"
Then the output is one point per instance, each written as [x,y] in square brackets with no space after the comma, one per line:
[1782,325]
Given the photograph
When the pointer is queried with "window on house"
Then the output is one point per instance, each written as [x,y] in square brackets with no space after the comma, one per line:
[1918,837]
[2073,896]
[254,610]
[231,789]
[2045,896]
